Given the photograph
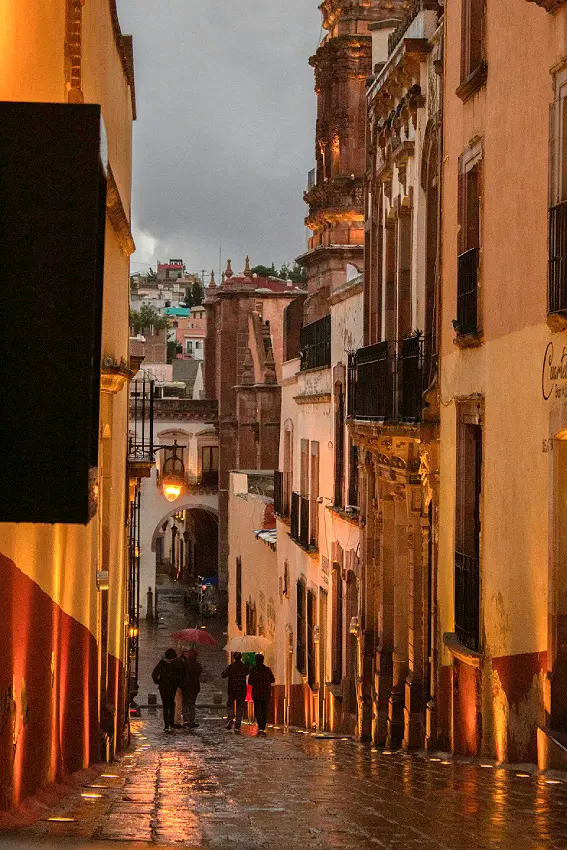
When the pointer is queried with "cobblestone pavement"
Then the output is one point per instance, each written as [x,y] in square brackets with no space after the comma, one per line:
[214,789]
[210,788]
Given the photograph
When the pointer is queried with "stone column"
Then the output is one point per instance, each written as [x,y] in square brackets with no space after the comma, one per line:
[368,607]
[414,710]
[400,623]
[385,536]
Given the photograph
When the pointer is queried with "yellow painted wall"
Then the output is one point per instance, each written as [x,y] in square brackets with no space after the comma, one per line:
[63,560]
[32,35]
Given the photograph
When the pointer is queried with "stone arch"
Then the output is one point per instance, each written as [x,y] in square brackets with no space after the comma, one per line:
[187,507]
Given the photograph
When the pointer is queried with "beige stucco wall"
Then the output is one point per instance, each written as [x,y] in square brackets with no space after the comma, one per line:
[523,43]
[259,569]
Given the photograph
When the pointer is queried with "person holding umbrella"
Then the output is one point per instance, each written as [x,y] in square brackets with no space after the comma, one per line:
[261,678]
[236,674]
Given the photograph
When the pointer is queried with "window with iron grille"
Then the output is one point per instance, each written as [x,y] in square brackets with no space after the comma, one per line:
[315,344]
[473,54]
[469,244]
[339,445]
[301,644]
[311,661]
[467,527]
[337,626]
[557,222]
[313,536]
[353,476]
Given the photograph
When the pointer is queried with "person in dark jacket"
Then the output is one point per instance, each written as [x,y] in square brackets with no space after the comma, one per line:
[191,686]
[168,676]
[261,678]
[236,674]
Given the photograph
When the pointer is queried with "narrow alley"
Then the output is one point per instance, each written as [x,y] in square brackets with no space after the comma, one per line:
[211,788]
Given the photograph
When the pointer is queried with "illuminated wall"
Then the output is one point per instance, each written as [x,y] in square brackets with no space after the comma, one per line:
[519,492]
[49,676]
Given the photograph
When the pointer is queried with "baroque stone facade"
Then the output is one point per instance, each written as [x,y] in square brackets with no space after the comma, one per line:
[394,387]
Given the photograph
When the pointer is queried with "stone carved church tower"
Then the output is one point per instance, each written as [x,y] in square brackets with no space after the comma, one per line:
[335,193]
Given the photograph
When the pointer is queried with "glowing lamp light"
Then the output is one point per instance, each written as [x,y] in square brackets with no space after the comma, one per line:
[133,631]
[172,491]
[173,473]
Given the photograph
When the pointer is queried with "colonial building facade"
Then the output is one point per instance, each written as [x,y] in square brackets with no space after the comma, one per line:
[68,102]
[393,380]
[243,361]
[501,540]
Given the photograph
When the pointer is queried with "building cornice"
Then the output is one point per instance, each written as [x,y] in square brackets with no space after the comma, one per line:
[117,215]
[125,48]
[313,398]
[348,290]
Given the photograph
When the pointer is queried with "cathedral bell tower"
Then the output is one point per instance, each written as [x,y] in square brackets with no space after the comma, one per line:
[335,193]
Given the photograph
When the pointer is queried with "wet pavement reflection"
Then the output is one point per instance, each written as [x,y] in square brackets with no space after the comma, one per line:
[214,789]
[211,788]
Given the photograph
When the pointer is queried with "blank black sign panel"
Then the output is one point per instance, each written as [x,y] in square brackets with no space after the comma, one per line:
[52,220]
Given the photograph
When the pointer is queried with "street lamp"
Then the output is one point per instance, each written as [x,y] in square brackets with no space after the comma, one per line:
[173,473]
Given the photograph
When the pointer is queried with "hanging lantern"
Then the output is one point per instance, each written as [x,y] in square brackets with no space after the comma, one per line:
[173,473]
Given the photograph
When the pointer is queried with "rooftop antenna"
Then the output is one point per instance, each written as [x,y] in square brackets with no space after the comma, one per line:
[220,256]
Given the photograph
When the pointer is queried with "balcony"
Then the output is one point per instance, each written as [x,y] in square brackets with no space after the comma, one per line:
[467,292]
[557,263]
[387,381]
[300,525]
[315,344]
[295,521]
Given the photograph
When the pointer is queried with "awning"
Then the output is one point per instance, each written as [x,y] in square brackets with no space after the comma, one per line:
[270,536]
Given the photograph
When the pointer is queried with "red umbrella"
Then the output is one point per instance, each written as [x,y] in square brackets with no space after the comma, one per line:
[195,636]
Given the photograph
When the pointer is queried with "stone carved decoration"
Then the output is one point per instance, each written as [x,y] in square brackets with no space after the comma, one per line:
[427,477]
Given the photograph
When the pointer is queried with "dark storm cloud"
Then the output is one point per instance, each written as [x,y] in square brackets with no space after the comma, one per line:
[225,129]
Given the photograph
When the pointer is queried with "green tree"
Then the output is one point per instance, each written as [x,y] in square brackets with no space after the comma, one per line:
[173,349]
[265,271]
[295,273]
[146,317]
[194,294]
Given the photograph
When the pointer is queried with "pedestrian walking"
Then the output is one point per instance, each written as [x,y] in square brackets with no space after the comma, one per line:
[236,674]
[191,686]
[168,676]
[261,678]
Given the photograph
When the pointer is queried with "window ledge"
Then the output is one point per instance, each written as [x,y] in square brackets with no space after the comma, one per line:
[475,81]
[463,653]
[348,516]
[309,550]
[472,340]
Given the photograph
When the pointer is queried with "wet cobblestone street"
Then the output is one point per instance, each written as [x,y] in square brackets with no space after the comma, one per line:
[214,789]
[210,788]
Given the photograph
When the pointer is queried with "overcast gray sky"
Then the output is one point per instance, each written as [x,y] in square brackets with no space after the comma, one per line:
[225,131]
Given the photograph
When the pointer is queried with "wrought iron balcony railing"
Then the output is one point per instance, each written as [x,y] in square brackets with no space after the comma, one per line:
[557,259]
[300,520]
[304,521]
[278,493]
[467,590]
[387,380]
[295,521]
[467,292]
[315,344]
